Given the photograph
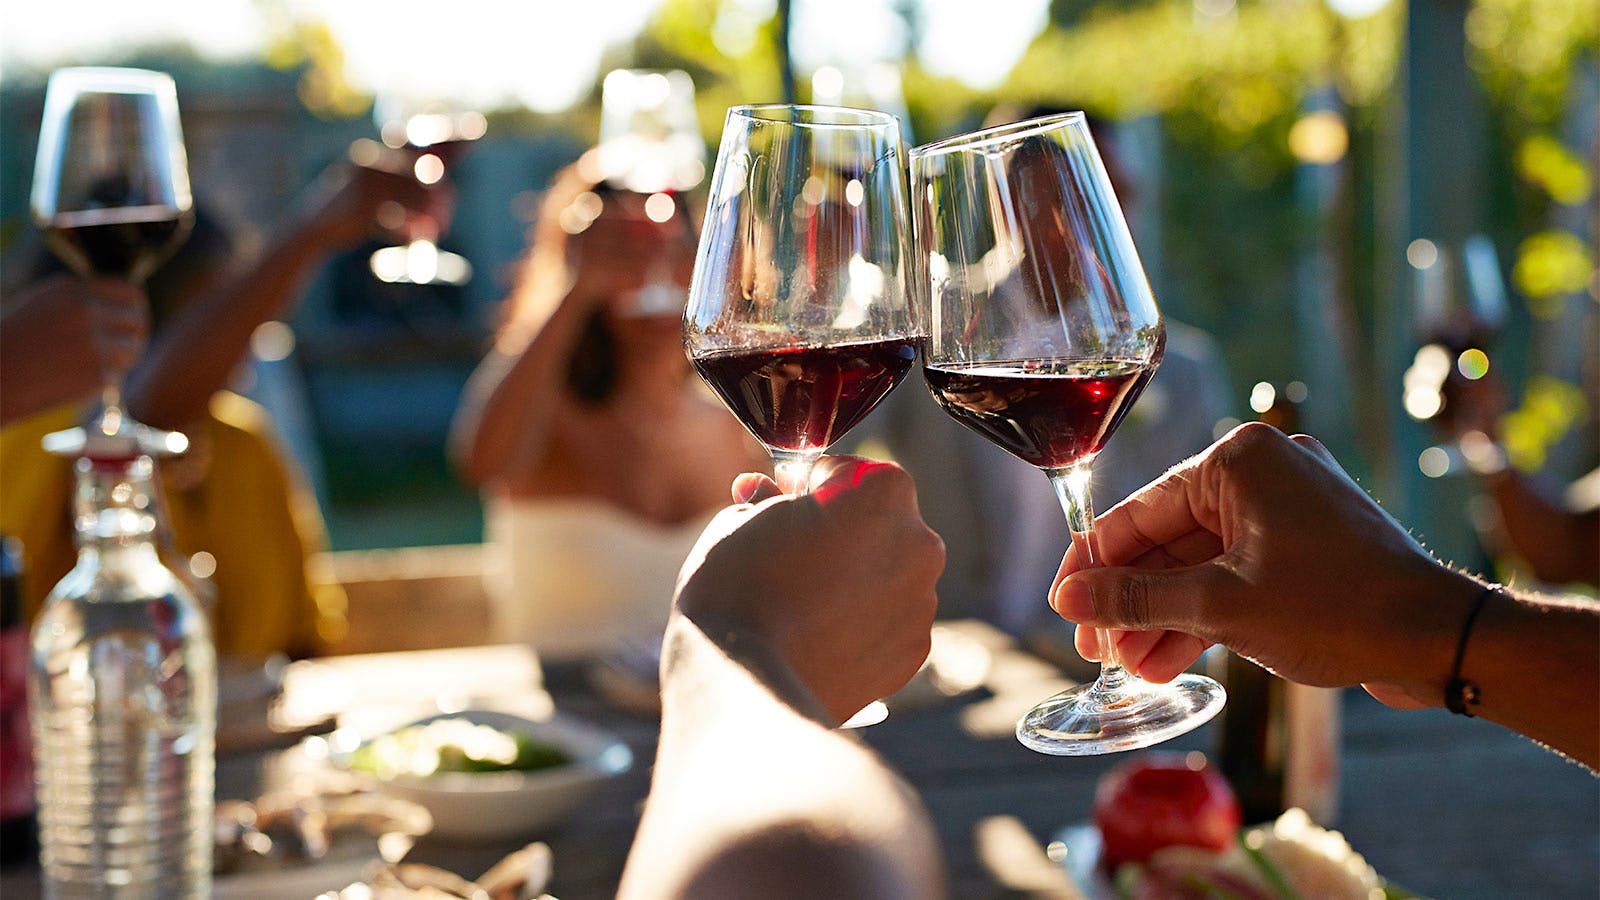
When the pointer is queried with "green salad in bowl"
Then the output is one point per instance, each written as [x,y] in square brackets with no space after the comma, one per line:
[490,774]
[455,745]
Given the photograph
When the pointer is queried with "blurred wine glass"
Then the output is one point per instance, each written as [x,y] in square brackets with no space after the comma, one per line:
[1460,308]
[649,134]
[436,131]
[111,182]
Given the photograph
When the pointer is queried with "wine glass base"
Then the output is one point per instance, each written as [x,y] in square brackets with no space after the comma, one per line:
[1084,721]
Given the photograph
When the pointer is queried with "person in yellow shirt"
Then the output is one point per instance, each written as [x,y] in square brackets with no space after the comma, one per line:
[239,524]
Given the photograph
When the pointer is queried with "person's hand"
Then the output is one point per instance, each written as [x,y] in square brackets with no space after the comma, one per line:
[619,251]
[65,337]
[376,192]
[837,585]
[1265,544]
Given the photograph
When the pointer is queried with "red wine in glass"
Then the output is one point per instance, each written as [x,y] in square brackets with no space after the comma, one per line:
[117,242]
[1051,413]
[802,399]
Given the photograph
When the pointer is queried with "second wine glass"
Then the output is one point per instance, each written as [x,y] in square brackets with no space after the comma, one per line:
[798,316]
[1043,333]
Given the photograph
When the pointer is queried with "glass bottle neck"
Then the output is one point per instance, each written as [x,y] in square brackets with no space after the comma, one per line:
[114,504]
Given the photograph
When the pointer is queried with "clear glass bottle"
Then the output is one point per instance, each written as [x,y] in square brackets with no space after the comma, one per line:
[122,693]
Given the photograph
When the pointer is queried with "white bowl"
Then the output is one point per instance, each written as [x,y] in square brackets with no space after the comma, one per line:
[514,804]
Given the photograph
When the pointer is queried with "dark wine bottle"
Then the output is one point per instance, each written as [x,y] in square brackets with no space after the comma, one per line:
[1278,742]
[18,835]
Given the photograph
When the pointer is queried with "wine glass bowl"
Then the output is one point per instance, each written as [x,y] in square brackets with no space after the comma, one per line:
[111,179]
[436,132]
[1043,331]
[798,314]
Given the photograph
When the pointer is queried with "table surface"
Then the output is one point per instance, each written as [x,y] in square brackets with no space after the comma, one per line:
[1443,806]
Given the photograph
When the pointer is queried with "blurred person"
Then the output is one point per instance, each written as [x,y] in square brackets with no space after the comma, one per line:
[233,495]
[600,454]
[56,322]
[1556,539]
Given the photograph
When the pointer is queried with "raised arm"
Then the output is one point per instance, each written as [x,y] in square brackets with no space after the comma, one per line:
[1264,544]
[195,355]
[502,423]
[792,614]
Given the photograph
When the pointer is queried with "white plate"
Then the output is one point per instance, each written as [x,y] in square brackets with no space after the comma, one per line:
[514,804]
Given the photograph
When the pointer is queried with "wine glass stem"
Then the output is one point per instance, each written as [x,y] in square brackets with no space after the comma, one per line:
[793,471]
[1072,489]
[111,412]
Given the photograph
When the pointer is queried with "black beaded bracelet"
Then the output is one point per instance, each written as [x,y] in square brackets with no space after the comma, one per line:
[1459,693]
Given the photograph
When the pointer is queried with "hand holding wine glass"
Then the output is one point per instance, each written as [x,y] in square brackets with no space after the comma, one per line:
[798,317]
[437,131]
[1044,332]
[111,181]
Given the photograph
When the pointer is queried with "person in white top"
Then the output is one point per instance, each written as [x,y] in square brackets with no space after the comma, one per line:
[600,455]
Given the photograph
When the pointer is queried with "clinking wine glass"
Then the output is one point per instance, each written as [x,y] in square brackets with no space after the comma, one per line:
[798,316]
[1043,331]
[437,132]
[111,182]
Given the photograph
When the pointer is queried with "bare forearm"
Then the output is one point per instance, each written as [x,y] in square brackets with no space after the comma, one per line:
[756,794]
[509,402]
[1560,545]
[196,354]
[1535,661]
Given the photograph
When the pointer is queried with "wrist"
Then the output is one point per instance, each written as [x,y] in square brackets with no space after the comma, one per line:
[1425,638]
[699,650]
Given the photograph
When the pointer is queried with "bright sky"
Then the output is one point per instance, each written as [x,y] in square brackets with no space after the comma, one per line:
[541,53]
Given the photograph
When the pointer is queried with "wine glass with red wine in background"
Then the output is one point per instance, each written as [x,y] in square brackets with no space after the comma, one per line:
[1043,332]
[798,316]
[111,180]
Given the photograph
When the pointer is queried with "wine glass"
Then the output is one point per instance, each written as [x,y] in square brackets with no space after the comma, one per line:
[111,181]
[649,132]
[436,131]
[798,317]
[1043,332]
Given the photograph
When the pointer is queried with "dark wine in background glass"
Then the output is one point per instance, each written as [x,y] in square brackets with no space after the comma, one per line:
[1045,332]
[798,316]
[115,243]
[802,399]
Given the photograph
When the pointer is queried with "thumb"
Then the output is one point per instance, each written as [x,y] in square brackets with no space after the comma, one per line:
[753,487]
[1141,599]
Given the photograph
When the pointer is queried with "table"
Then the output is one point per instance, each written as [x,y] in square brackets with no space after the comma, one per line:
[1444,806]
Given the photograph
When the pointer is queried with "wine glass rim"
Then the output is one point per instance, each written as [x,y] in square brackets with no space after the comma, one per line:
[766,112]
[997,134]
[114,78]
